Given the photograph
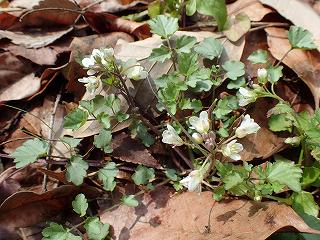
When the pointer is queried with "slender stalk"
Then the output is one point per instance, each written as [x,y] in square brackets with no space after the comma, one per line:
[284,56]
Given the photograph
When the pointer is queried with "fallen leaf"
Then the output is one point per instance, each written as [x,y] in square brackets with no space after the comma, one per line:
[237,26]
[252,8]
[131,150]
[111,6]
[48,18]
[23,88]
[197,216]
[106,22]
[302,16]
[7,20]
[25,209]
[264,143]
[34,39]
[306,64]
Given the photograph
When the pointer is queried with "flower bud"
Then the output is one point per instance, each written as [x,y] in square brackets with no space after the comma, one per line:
[197,137]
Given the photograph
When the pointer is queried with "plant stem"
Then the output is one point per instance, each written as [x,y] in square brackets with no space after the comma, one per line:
[172,54]
[283,57]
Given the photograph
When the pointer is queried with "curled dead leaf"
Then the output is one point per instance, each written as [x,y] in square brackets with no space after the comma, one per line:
[306,64]
[252,8]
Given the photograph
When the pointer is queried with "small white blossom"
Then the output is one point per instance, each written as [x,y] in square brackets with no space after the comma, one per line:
[170,136]
[193,181]
[102,55]
[91,83]
[232,150]
[247,126]
[88,62]
[133,70]
[201,124]
[262,74]
[294,141]
[247,95]
[197,137]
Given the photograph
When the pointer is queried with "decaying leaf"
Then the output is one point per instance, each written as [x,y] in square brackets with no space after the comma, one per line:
[252,8]
[111,6]
[34,39]
[303,15]
[130,150]
[198,216]
[24,209]
[306,64]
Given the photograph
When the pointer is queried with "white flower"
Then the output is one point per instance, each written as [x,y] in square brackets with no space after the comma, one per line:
[232,150]
[201,124]
[91,83]
[102,55]
[88,62]
[170,136]
[133,70]
[193,181]
[247,95]
[247,126]
[197,137]
[262,74]
[294,141]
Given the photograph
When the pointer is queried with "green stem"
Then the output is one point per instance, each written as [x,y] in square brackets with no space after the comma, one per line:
[172,55]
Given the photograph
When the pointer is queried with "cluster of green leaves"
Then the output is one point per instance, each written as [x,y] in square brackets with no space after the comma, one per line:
[214,8]
[96,230]
[259,181]
[189,74]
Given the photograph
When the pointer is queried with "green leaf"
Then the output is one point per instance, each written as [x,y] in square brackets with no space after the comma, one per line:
[278,123]
[285,172]
[218,193]
[240,82]
[29,152]
[96,230]
[171,174]
[237,26]
[57,232]
[258,57]
[214,8]
[191,7]
[72,142]
[309,176]
[76,170]
[103,140]
[142,175]
[185,43]
[194,104]
[171,80]
[232,180]
[138,129]
[280,108]
[130,201]
[274,74]
[164,26]
[225,106]
[107,175]
[160,54]
[234,69]
[75,119]
[209,48]
[155,8]
[80,204]
[301,38]
[187,63]
[104,119]
[304,201]
[200,75]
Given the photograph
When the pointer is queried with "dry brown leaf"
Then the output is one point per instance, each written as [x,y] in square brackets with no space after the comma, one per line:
[306,64]
[264,143]
[252,8]
[190,216]
[131,150]
[106,22]
[25,209]
[300,14]
[111,6]
[34,39]
[23,88]
[7,20]
[48,18]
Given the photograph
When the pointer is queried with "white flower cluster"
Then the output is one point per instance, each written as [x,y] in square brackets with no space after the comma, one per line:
[101,61]
[233,148]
